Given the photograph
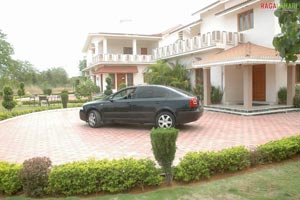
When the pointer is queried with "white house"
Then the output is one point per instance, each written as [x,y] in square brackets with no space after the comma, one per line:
[229,45]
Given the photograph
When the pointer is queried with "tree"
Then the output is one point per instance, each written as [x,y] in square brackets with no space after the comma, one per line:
[161,74]
[21,90]
[163,141]
[287,43]
[8,98]
[108,90]
[82,65]
[86,89]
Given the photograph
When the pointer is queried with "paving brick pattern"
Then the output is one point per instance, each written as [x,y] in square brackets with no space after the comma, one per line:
[63,137]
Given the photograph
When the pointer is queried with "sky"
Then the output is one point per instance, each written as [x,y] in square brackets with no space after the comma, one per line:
[51,33]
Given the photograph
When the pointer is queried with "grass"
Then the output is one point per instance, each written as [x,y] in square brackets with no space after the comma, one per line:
[280,182]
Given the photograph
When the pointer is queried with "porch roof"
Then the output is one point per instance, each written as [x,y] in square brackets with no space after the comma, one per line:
[117,69]
[247,53]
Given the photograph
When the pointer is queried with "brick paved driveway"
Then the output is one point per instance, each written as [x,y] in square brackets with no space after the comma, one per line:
[61,136]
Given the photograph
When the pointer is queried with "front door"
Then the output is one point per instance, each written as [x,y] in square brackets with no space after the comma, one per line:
[259,82]
[120,79]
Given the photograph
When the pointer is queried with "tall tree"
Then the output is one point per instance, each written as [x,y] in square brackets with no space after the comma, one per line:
[288,41]
[82,65]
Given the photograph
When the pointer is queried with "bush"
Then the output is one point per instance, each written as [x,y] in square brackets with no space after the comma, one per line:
[9,178]
[21,90]
[163,141]
[108,90]
[282,95]
[216,94]
[275,151]
[34,176]
[296,99]
[122,85]
[104,175]
[8,98]
[64,98]
[47,91]
[195,166]
[199,90]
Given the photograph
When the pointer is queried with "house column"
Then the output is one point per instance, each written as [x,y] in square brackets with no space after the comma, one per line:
[96,43]
[134,47]
[247,83]
[206,86]
[104,43]
[291,81]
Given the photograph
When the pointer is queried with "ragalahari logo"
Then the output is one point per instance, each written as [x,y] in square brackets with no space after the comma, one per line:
[274,6]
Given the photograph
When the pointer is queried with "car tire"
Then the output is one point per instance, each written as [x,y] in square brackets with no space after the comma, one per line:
[94,119]
[165,120]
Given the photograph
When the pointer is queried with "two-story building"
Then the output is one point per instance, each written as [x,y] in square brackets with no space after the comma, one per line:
[123,57]
[229,45]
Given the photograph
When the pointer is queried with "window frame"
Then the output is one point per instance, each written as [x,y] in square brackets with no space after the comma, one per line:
[246,19]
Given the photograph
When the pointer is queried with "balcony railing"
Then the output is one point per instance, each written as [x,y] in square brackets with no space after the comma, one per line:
[215,38]
[121,58]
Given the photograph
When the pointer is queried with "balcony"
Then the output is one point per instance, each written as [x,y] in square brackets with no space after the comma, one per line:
[201,43]
[121,59]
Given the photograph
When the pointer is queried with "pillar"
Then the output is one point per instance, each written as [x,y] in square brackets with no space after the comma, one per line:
[291,81]
[134,47]
[104,43]
[206,86]
[247,84]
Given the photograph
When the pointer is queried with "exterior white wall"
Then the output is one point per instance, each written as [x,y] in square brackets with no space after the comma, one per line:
[271,92]
[138,78]
[233,84]
[216,77]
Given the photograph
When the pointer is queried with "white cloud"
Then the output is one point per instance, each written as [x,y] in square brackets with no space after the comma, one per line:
[51,33]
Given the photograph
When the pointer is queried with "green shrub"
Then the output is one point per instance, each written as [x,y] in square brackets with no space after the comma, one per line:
[108,90]
[195,166]
[47,91]
[216,94]
[64,98]
[122,85]
[34,176]
[21,90]
[163,141]
[275,151]
[296,99]
[8,98]
[9,178]
[282,95]
[199,90]
[104,175]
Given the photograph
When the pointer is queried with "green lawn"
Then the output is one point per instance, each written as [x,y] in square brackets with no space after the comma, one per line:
[280,182]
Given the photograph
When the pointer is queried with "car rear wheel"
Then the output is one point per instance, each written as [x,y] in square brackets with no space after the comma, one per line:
[165,120]
[94,119]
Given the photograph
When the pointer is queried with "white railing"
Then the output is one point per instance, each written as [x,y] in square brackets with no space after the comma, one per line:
[122,58]
[199,42]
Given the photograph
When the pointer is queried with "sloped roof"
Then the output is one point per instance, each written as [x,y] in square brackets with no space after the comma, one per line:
[241,54]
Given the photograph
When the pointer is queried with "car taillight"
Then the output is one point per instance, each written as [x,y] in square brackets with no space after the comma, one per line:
[194,102]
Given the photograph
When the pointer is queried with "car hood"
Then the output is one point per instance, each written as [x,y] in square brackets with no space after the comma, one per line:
[95,102]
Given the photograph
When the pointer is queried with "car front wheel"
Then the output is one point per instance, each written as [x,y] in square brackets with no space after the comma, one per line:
[94,119]
[165,120]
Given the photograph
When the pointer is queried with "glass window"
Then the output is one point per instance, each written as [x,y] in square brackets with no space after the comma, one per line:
[127,50]
[298,73]
[152,92]
[129,79]
[124,94]
[246,20]
[113,84]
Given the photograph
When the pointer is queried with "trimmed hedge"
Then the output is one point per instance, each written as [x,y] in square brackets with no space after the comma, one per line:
[55,101]
[279,150]
[197,165]
[9,178]
[104,175]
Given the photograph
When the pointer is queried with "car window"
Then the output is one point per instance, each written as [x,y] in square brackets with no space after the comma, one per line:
[124,94]
[152,92]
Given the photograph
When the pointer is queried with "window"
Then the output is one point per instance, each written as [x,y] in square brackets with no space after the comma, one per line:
[127,50]
[144,51]
[124,94]
[151,92]
[245,20]
[297,73]
[199,76]
[129,79]
[113,84]
[180,35]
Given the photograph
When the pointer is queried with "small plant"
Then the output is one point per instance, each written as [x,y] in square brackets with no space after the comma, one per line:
[163,143]
[8,98]
[9,178]
[198,90]
[86,89]
[216,94]
[282,95]
[122,85]
[47,91]
[108,90]
[296,99]
[64,98]
[21,90]
[34,176]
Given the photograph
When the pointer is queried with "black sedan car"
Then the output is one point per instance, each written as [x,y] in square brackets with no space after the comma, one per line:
[160,105]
